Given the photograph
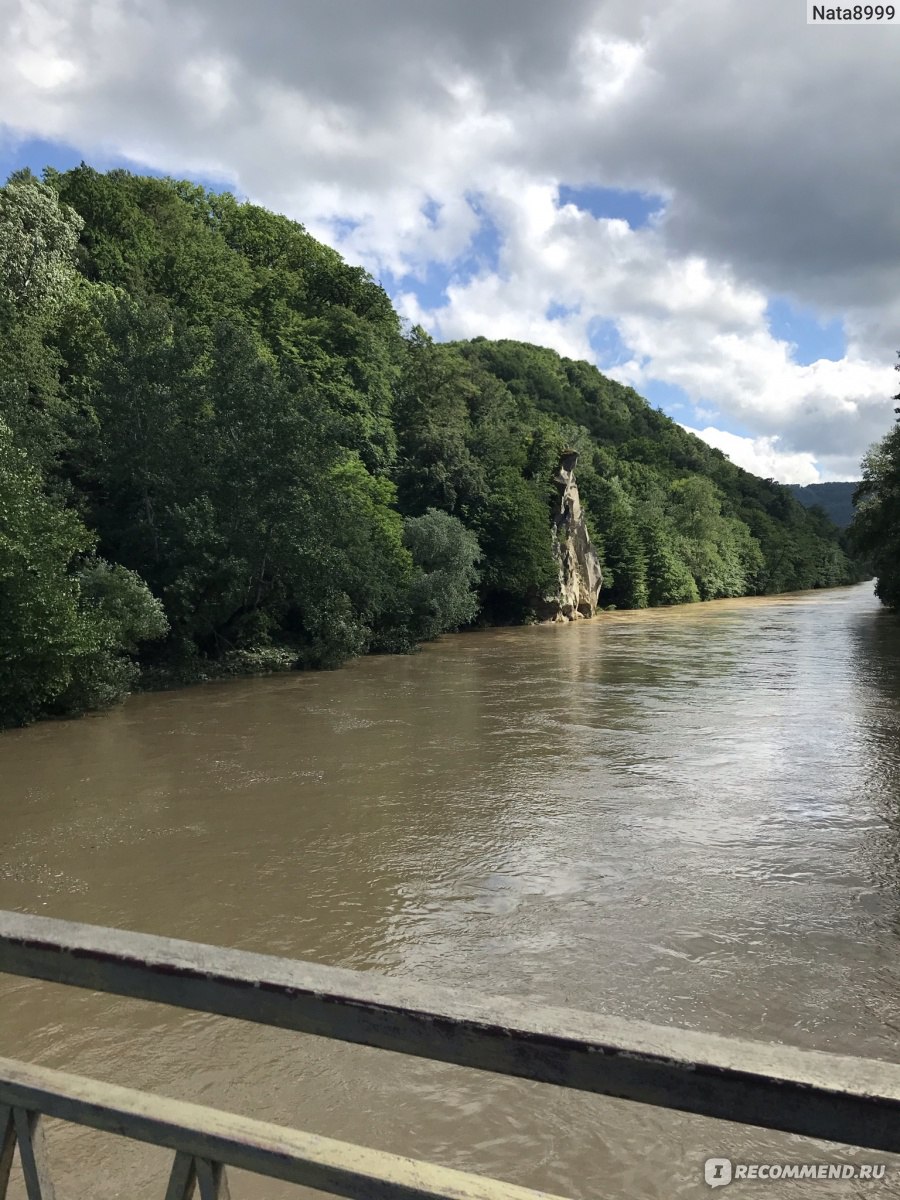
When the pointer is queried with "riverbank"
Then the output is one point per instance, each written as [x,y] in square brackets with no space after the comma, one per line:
[277,660]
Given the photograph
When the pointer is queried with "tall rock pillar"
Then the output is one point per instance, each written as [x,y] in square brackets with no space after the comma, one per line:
[580,576]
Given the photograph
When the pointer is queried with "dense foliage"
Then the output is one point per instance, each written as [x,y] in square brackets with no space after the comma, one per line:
[835,499]
[218,446]
[875,531]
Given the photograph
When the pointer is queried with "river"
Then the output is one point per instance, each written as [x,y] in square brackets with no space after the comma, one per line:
[688,816]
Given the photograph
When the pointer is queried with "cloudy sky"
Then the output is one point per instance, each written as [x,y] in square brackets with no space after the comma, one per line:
[700,196]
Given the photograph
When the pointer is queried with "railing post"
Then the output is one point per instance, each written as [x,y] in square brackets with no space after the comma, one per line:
[188,1172]
[7,1146]
[183,1178]
[33,1154]
[212,1179]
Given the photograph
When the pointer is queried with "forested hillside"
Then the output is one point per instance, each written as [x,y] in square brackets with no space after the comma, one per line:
[836,499]
[219,450]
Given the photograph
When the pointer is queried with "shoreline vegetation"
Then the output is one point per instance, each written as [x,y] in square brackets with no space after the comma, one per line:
[279,660]
[222,453]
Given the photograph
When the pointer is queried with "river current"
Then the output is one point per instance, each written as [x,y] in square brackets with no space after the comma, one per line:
[688,816]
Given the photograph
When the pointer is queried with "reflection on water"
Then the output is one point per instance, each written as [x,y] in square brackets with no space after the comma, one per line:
[688,816]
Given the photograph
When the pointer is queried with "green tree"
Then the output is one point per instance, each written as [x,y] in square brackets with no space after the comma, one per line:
[44,630]
[371,564]
[875,531]
[438,464]
[38,237]
[718,549]
[123,614]
[624,556]
[70,623]
[669,580]
[442,595]
[513,531]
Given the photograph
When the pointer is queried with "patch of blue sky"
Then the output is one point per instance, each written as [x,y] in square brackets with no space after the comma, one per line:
[677,404]
[673,400]
[560,312]
[482,255]
[429,285]
[343,227]
[606,343]
[37,153]
[622,204]
[431,211]
[430,281]
[812,337]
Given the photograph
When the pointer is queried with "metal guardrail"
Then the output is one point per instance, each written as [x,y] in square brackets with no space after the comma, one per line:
[850,1100]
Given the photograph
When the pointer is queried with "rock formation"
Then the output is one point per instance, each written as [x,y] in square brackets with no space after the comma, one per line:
[580,577]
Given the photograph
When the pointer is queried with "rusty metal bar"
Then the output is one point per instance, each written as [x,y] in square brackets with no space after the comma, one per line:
[841,1099]
[206,1138]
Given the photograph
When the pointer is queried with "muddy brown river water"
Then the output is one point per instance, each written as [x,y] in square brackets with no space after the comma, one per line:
[687,816]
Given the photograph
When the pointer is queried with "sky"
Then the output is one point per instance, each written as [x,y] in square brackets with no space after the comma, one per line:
[698,196]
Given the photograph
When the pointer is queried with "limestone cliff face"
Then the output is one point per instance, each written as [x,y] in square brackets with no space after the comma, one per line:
[580,577]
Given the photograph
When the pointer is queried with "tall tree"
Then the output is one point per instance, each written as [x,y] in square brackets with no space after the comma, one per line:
[875,530]
[38,238]
[70,622]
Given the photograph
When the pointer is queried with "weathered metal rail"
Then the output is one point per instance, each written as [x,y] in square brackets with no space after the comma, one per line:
[850,1100]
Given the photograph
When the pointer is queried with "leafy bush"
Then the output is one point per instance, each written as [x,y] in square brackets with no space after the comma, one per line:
[442,595]
[122,614]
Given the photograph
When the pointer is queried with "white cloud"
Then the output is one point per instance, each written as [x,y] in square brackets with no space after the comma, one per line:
[761,456]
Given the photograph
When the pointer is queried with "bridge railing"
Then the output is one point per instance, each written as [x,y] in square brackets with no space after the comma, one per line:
[850,1100]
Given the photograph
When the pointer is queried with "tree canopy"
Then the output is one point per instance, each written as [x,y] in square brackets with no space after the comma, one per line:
[875,532]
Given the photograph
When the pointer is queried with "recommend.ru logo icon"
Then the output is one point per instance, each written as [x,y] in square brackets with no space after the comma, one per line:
[717,1171]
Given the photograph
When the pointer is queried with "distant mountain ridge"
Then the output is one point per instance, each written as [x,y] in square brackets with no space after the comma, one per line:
[835,498]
